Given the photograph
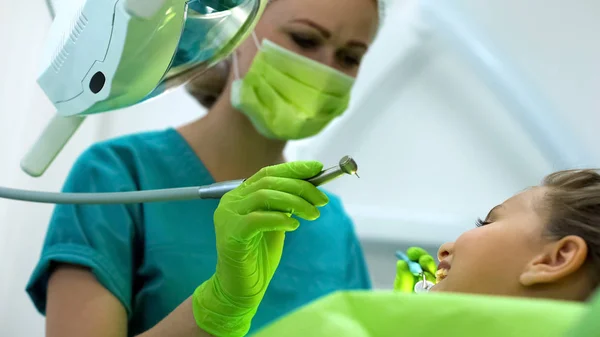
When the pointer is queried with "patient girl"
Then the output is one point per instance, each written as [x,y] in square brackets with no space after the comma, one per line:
[541,243]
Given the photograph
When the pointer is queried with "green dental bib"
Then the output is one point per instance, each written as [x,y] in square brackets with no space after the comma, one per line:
[387,314]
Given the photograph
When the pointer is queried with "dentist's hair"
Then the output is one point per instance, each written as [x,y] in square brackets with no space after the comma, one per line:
[207,87]
[573,206]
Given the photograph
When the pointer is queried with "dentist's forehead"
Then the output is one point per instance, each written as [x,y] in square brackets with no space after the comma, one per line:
[339,17]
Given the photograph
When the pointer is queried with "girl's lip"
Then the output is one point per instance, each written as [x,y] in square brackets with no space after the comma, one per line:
[444,265]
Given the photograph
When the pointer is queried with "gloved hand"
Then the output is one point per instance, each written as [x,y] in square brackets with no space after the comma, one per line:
[405,280]
[250,225]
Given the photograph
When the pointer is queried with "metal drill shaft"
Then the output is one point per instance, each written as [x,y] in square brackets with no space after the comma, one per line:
[347,165]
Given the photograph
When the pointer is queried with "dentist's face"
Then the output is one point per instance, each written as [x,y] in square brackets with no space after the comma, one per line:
[336,33]
[333,32]
[491,258]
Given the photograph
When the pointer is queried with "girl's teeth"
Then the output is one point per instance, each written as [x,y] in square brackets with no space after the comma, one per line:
[441,274]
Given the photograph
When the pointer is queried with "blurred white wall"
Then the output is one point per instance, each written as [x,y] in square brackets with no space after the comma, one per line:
[435,145]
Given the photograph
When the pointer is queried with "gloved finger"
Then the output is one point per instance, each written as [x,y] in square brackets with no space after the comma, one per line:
[428,263]
[301,188]
[405,280]
[271,200]
[261,221]
[430,277]
[295,170]
[415,253]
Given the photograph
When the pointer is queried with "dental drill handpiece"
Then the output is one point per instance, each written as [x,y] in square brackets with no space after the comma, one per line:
[347,165]
[214,191]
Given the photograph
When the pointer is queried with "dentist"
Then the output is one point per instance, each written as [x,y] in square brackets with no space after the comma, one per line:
[202,267]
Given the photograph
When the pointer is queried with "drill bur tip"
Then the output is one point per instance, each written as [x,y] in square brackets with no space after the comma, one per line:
[348,165]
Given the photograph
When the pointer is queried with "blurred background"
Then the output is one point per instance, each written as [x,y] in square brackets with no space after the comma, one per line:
[458,105]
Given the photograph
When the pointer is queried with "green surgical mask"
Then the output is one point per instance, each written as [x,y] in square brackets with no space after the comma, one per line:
[288,96]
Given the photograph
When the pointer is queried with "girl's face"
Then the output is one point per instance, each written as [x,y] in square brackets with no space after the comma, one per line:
[336,33]
[510,254]
[490,257]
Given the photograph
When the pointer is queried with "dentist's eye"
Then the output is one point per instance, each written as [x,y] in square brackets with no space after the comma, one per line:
[348,60]
[481,223]
[305,42]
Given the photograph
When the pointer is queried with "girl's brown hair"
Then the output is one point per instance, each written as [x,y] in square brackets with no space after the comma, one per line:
[573,201]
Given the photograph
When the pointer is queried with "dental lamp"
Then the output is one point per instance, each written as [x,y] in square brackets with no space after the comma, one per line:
[104,55]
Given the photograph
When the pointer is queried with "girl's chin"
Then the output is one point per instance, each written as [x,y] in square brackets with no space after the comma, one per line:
[438,287]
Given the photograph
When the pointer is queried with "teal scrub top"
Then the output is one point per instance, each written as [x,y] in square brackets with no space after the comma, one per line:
[152,256]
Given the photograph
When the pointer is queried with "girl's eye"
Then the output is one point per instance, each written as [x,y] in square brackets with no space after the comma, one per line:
[305,42]
[481,223]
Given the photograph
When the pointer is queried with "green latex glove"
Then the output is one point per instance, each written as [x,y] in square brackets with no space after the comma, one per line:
[405,280]
[250,225]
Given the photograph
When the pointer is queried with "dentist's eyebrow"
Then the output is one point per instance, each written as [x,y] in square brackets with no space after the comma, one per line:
[321,29]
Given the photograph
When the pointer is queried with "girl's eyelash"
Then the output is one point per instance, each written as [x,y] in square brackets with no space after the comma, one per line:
[481,223]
